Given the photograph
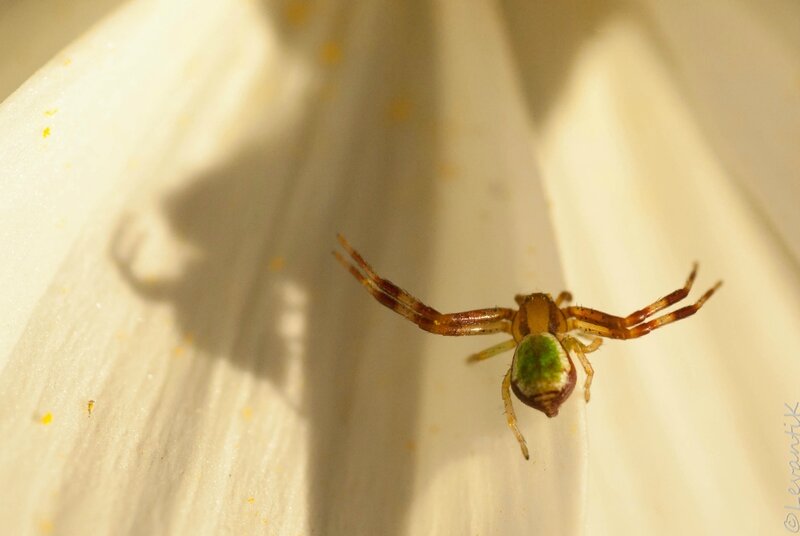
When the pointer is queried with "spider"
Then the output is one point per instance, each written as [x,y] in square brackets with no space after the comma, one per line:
[542,374]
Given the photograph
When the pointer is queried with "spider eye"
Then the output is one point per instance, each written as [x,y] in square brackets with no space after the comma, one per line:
[542,373]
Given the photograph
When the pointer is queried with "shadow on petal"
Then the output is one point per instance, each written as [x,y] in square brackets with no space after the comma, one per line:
[262,290]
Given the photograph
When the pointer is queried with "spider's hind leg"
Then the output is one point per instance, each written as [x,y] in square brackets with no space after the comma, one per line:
[579,349]
[492,351]
[510,417]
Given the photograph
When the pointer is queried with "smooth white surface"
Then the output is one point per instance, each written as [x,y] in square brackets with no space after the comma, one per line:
[167,255]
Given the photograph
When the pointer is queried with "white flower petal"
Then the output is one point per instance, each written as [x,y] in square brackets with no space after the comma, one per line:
[179,352]
[686,426]
[241,381]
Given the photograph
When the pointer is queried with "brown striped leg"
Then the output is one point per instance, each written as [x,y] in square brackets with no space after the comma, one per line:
[604,319]
[616,332]
[578,348]
[386,286]
[477,322]
[492,351]
[510,417]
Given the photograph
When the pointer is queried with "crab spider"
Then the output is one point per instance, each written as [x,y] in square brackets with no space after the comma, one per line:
[542,374]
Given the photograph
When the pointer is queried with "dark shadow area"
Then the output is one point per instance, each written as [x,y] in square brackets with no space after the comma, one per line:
[361,173]
[28,40]
[545,38]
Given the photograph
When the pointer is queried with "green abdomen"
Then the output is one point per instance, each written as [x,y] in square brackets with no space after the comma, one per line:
[542,373]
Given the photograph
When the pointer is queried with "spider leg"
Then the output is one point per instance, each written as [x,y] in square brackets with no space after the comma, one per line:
[385,285]
[492,351]
[563,297]
[621,332]
[509,411]
[477,322]
[578,348]
[604,319]
[594,345]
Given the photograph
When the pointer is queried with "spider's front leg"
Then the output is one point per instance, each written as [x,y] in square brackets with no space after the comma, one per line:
[610,327]
[477,322]
[620,323]
[564,297]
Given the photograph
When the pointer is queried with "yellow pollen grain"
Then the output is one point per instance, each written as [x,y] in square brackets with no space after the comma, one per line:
[399,109]
[51,112]
[150,280]
[67,61]
[447,171]
[331,53]
[251,500]
[45,526]
[90,407]
[186,343]
[46,132]
[276,264]
[46,419]
[247,413]
[297,12]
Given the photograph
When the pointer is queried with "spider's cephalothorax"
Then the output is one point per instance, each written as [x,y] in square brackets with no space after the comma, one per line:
[542,374]
[537,313]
